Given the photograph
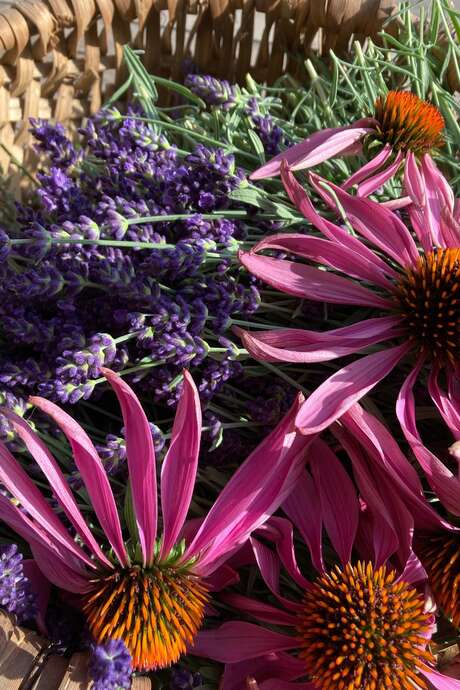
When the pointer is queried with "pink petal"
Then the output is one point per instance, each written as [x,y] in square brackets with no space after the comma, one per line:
[447,408]
[374,222]
[326,252]
[344,388]
[383,451]
[414,573]
[68,569]
[92,473]
[440,681]
[280,665]
[397,204]
[280,532]
[339,502]
[255,491]
[221,578]
[58,572]
[369,168]
[375,181]
[335,233]
[179,467]
[269,567]
[308,282]
[440,478]
[52,471]
[140,454]
[23,488]
[302,506]
[439,199]
[237,641]
[297,345]
[264,612]
[319,147]
[277,684]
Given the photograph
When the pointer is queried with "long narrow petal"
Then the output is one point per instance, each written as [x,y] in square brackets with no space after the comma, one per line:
[338,499]
[308,282]
[58,572]
[326,252]
[319,147]
[141,463]
[374,222]
[263,612]
[369,168]
[440,681]
[344,388]
[237,641]
[280,531]
[15,479]
[180,464]
[55,477]
[439,199]
[302,506]
[255,491]
[335,233]
[68,567]
[448,409]
[372,183]
[281,665]
[442,481]
[298,345]
[268,563]
[92,473]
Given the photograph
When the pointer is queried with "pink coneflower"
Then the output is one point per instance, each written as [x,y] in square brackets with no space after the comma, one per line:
[151,589]
[365,620]
[403,124]
[411,281]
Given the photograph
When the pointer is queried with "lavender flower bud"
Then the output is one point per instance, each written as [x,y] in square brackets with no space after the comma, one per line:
[110,666]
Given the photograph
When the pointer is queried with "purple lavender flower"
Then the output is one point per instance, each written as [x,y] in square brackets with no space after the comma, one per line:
[110,666]
[15,592]
[53,141]
[213,91]
[184,679]
[4,246]
[271,135]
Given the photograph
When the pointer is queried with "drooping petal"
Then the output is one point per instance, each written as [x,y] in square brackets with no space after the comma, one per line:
[448,409]
[440,681]
[280,666]
[326,252]
[269,563]
[414,185]
[308,282]
[373,221]
[255,491]
[15,479]
[236,641]
[372,183]
[335,233]
[319,147]
[263,612]
[92,473]
[302,506]
[69,570]
[180,464]
[369,168]
[442,481]
[344,388]
[338,499]
[298,345]
[280,532]
[140,454]
[55,477]
[58,572]
[439,199]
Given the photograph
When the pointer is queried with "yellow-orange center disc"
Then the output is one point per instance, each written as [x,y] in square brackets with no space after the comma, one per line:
[155,611]
[362,629]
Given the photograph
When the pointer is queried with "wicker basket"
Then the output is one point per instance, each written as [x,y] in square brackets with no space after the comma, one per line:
[61,59]
[25,663]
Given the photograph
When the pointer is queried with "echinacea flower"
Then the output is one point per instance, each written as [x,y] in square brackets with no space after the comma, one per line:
[365,619]
[410,280]
[149,590]
[403,124]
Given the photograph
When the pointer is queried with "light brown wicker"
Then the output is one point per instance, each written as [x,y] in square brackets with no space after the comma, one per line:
[61,59]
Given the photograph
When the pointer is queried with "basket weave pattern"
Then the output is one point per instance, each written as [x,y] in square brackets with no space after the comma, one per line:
[61,59]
